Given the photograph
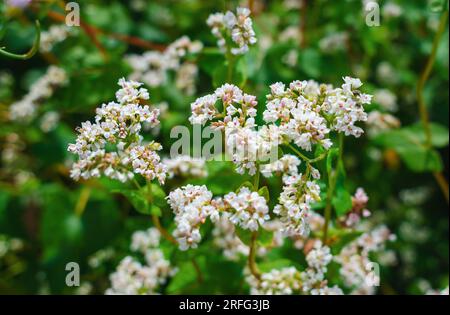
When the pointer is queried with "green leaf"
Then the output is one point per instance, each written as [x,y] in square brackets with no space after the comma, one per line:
[244,235]
[342,201]
[409,143]
[343,239]
[137,199]
[159,196]
[185,276]
[265,237]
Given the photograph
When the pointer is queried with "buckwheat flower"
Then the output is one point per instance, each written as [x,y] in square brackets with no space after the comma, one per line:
[133,278]
[18,3]
[236,27]
[298,113]
[131,92]
[334,42]
[143,240]
[392,10]
[26,109]
[354,259]
[313,278]
[285,281]
[378,122]
[386,73]
[438,292]
[335,290]
[54,35]
[203,109]
[347,106]
[287,164]
[386,99]
[319,257]
[186,166]
[247,209]
[150,68]
[294,204]
[117,127]
[359,210]
[192,205]
[49,121]
[182,47]
[185,78]
[225,238]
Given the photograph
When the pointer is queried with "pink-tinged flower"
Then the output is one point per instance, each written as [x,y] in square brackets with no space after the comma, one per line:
[18,3]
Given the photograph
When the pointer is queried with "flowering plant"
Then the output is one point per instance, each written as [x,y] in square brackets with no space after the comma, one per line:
[222,150]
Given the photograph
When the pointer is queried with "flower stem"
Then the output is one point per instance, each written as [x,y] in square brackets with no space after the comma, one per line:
[156,221]
[424,115]
[33,49]
[332,178]
[252,257]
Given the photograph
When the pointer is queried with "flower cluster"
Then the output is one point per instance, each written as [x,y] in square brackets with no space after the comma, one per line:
[354,258]
[306,112]
[285,281]
[132,277]
[247,209]
[42,89]
[54,35]
[186,166]
[243,142]
[192,205]
[313,278]
[152,67]
[235,30]
[119,125]
[378,122]
[295,203]
[358,211]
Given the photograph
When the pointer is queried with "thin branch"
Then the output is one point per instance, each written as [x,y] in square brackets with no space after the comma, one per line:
[92,31]
[33,49]
[424,115]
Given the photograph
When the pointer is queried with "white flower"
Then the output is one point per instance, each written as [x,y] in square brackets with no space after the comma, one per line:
[237,27]
[378,122]
[287,164]
[386,99]
[203,109]
[118,125]
[249,210]
[132,277]
[42,89]
[143,240]
[295,204]
[285,281]
[54,35]
[186,166]
[192,205]
[334,42]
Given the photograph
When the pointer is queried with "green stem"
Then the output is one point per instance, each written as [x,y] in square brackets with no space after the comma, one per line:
[252,257]
[252,253]
[332,178]
[33,49]
[305,158]
[424,115]
[230,65]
